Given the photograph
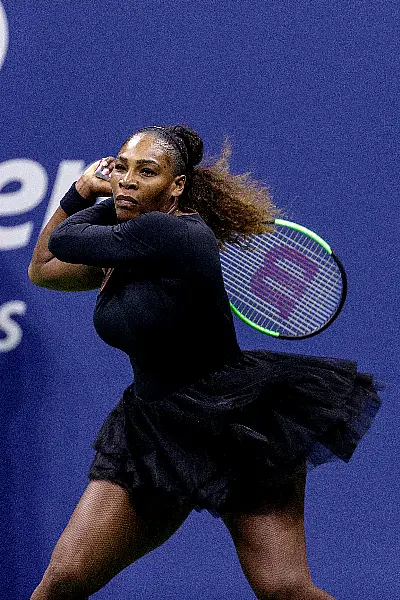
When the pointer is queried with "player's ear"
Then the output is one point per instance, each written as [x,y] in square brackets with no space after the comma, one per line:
[178,185]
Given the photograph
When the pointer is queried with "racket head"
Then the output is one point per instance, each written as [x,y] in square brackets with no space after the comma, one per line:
[288,283]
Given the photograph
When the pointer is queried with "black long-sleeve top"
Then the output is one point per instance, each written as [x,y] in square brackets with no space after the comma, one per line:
[165,304]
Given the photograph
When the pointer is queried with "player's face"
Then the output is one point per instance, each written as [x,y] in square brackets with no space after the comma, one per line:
[143,178]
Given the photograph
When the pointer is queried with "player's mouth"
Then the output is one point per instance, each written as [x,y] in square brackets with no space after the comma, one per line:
[126,201]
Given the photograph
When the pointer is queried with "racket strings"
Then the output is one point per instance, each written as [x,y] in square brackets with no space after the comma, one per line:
[251,260]
[259,315]
[235,272]
[235,278]
[253,311]
[300,312]
[311,303]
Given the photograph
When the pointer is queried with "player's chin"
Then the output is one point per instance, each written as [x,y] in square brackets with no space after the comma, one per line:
[125,213]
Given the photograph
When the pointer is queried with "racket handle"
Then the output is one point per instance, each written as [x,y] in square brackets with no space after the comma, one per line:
[100,174]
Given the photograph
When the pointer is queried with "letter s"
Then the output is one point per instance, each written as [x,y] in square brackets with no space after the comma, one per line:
[11,328]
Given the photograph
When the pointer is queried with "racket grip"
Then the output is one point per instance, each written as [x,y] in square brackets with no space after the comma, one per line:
[100,174]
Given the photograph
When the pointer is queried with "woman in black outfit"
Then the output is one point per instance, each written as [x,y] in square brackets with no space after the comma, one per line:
[204,425]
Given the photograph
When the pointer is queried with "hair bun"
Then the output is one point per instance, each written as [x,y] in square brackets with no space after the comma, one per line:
[192,141]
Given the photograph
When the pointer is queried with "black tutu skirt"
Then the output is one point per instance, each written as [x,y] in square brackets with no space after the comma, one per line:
[239,432]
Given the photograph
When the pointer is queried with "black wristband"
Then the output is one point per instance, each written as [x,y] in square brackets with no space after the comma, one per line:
[73,202]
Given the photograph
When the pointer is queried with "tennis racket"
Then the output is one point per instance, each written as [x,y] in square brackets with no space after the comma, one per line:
[287,283]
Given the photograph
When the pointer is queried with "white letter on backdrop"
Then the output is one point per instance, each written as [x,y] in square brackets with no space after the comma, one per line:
[11,328]
[33,179]
[3,35]
[68,172]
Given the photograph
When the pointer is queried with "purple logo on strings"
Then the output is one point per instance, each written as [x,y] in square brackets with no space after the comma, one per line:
[294,285]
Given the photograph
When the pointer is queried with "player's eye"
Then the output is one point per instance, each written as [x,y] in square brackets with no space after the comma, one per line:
[119,166]
[146,171]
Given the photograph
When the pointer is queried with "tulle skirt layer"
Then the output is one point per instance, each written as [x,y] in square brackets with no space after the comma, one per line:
[226,440]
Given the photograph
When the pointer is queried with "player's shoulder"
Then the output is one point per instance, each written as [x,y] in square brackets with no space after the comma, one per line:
[192,223]
[183,231]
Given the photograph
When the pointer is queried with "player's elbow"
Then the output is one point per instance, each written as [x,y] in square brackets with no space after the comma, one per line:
[35,276]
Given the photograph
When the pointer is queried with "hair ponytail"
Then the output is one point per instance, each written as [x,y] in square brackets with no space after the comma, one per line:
[233,206]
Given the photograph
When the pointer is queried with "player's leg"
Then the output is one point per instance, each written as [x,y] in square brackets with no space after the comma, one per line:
[104,535]
[271,546]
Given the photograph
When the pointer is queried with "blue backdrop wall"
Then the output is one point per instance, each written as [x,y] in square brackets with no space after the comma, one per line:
[306,91]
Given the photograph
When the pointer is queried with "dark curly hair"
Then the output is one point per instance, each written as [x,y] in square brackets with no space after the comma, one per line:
[233,206]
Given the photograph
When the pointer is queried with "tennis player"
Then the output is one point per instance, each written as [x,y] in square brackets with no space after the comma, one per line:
[204,425]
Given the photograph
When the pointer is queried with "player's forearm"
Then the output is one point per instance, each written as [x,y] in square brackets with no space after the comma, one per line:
[41,253]
[45,270]
[77,198]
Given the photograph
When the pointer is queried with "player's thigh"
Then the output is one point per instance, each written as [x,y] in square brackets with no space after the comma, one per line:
[106,533]
[270,540]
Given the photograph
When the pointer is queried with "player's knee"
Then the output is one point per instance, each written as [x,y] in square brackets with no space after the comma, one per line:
[60,582]
[288,586]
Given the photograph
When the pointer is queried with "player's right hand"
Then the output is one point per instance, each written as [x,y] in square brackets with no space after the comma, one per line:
[91,187]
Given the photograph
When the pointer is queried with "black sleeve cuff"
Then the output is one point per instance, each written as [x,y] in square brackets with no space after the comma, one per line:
[73,202]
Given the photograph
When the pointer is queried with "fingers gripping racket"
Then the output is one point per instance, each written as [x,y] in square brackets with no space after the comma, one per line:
[287,283]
